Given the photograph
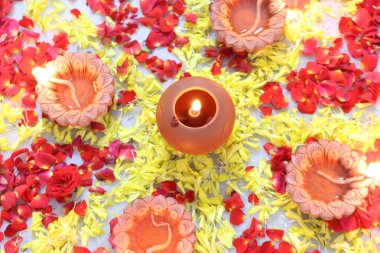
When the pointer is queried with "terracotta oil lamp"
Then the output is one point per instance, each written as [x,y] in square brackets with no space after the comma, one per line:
[327,179]
[74,89]
[154,225]
[248,25]
[195,115]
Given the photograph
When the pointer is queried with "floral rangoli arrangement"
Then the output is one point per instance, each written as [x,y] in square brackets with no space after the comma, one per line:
[84,167]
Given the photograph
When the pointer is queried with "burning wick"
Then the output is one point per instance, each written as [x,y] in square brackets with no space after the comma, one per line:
[168,241]
[373,171]
[45,77]
[195,109]
[341,181]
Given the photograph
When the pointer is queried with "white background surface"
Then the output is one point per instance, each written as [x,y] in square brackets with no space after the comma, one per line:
[279,220]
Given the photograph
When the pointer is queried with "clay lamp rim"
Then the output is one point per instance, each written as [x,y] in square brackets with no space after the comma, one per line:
[195,87]
[325,153]
[256,37]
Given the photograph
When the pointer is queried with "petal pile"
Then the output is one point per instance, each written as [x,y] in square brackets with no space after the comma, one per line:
[272,98]
[332,79]
[361,33]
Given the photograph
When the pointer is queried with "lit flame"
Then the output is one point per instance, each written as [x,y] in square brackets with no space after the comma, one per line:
[43,74]
[373,171]
[196,106]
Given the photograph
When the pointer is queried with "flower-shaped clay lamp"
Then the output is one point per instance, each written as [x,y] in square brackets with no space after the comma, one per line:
[74,89]
[248,25]
[154,225]
[327,179]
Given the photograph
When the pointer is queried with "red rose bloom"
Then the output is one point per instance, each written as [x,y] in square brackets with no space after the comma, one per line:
[63,182]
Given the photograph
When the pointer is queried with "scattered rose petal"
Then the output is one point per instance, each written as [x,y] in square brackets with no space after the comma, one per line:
[81,208]
[275,234]
[237,217]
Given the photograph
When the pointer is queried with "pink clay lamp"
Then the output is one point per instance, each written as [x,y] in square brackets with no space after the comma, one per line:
[195,115]
[327,179]
[248,25]
[154,225]
[74,89]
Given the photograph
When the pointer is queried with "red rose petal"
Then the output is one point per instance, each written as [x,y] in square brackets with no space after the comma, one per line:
[275,234]
[79,249]
[26,22]
[156,39]
[307,106]
[30,117]
[354,49]
[12,246]
[127,152]
[327,89]
[8,200]
[44,160]
[309,46]
[24,210]
[285,247]
[85,179]
[61,40]
[171,68]
[189,196]
[266,110]
[133,47]
[216,68]
[181,41]
[249,168]
[373,76]
[241,244]
[168,23]
[267,247]
[269,147]
[169,186]
[18,225]
[48,218]
[369,62]
[126,97]
[253,199]
[68,207]
[29,101]
[97,189]
[233,202]
[279,183]
[362,18]
[44,177]
[147,6]
[191,17]
[311,139]
[39,201]
[106,175]
[81,208]
[76,12]
[322,55]
[97,126]
[237,217]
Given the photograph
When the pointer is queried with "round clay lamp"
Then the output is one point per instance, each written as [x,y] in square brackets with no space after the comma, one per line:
[74,89]
[248,25]
[327,179]
[195,115]
[154,225]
